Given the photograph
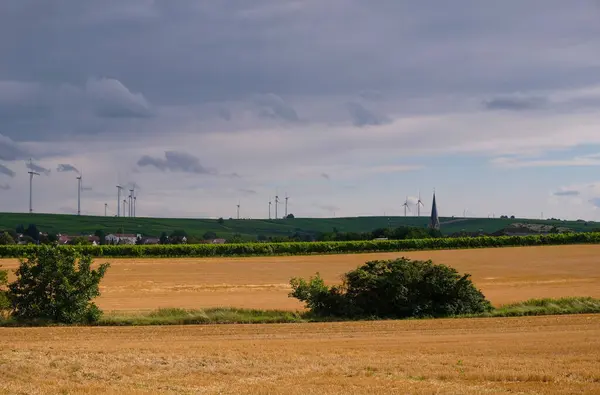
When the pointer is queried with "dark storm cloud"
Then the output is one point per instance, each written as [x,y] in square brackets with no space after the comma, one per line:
[194,50]
[161,52]
[37,168]
[567,193]
[65,167]
[326,176]
[176,162]
[364,117]
[6,171]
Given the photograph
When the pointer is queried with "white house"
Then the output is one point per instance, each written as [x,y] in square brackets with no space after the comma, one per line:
[121,238]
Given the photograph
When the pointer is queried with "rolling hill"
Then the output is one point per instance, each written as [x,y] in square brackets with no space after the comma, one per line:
[250,229]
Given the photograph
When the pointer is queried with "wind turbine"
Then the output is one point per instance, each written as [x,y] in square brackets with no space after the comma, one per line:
[105,208]
[134,204]
[276,204]
[238,210]
[419,204]
[124,203]
[129,203]
[286,202]
[406,206]
[269,208]
[79,194]
[119,201]
[31,174]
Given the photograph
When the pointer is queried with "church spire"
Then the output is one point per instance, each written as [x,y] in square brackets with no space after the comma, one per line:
[434,221]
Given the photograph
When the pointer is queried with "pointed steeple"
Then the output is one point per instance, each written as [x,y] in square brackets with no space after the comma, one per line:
[434,221]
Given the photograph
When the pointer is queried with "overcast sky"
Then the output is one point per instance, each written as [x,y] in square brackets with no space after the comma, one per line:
[347,106]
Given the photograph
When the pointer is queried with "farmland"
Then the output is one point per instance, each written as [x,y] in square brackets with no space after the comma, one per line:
[504,275]
[533,355]
[550,355]
[250,229]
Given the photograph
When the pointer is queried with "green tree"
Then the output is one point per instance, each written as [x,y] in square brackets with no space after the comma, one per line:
[164,239]
[209,235]
[396,288]
[33,232]
[221,221]
[6,239]
[101,235]
[290,216]
[57,285]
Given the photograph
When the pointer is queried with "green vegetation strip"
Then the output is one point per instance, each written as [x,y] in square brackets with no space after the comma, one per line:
[308,248]
[175,316]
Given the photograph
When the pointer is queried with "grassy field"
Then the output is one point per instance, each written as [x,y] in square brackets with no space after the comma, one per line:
[505,275]
[532,355]
[249,229]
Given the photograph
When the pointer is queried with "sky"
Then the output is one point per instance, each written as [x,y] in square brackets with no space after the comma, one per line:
[347,107]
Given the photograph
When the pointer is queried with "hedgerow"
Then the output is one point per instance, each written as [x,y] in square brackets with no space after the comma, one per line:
[307,248]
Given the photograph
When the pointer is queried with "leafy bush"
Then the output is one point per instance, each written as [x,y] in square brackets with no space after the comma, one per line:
[4,301]
[56,285]
[397,288]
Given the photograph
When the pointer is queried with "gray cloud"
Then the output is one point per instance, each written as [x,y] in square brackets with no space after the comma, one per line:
[273,106]
[37,168]
[326,176]
[176,162]
[65,167]
[6,171]
[4,187]
[247,191]
[113,100]
[364,117]
[10,151]
[567,193]
[225,114]
[515,103]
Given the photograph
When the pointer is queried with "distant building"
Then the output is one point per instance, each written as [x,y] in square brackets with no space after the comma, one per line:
[434,221]
[150,240]
[218,241]
[121,238]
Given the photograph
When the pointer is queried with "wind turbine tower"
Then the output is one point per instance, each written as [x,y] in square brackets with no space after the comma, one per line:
[134,204]
[131,202]
[238,210]
[79,195]
[406,206]
[419,204]
[269,209]
[31,174]
[119,201]
[105,208]
[276,204]
[124,203]
[286,202]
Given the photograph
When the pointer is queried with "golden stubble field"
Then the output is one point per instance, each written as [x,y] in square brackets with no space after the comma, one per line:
[537,355]
[504,275]
[534,355]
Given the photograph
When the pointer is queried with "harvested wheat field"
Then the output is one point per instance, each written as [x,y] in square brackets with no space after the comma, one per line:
[504,275]
[532,355]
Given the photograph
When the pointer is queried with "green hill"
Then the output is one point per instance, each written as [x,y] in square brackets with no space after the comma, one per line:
[250,229]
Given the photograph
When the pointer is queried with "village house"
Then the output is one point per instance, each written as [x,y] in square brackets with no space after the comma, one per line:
[121,238]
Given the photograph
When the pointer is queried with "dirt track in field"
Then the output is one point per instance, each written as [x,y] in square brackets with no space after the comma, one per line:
[534,355]
[504,275]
